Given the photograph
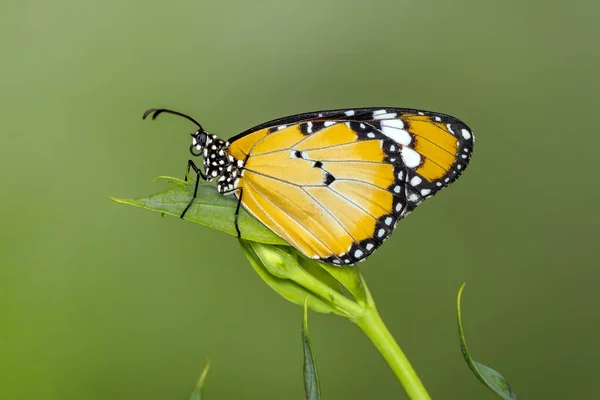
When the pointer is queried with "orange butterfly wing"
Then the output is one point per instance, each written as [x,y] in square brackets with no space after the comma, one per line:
[335,183]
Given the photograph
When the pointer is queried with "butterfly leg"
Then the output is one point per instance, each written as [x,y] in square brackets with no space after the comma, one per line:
[237,208]
[237,213]
[199,174]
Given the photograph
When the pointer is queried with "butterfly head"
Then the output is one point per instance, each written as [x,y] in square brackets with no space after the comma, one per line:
[200,140]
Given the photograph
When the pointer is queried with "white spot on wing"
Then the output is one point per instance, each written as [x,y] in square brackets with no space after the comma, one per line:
[450,129]
[388,221]
[415,180]
[425,192]
[358,253]
[349,113]
[381,233]
[466,134]
[394,123]
[410,157]
[385,116]
[369,246]
[393,129]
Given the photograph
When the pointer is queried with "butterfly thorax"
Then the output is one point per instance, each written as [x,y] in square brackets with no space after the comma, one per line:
[219,163]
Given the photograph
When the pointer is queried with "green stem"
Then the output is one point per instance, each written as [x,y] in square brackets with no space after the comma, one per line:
[372,325]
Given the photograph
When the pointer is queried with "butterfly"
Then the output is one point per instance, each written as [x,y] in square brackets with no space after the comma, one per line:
[335,183]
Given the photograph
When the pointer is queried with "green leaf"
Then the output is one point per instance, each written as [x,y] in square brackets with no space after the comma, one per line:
[197,393]
[283,263]
[279,261]
[288,289]
[485,374]
[210,208]
[316,269]
[351,279]
[311,378]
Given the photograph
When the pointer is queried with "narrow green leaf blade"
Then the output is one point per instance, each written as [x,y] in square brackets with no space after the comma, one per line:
[485,374]
[311,378]
[197,392]
[210,208]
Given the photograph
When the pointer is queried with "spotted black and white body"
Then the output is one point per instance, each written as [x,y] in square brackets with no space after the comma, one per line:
[334,184]
[218,163]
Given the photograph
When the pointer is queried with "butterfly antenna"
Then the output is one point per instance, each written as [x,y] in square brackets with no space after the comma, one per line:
[157,111]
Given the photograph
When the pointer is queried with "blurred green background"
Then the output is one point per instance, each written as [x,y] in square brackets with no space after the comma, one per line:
[103,301]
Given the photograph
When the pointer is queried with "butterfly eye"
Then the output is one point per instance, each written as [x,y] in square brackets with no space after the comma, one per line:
[198,143]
